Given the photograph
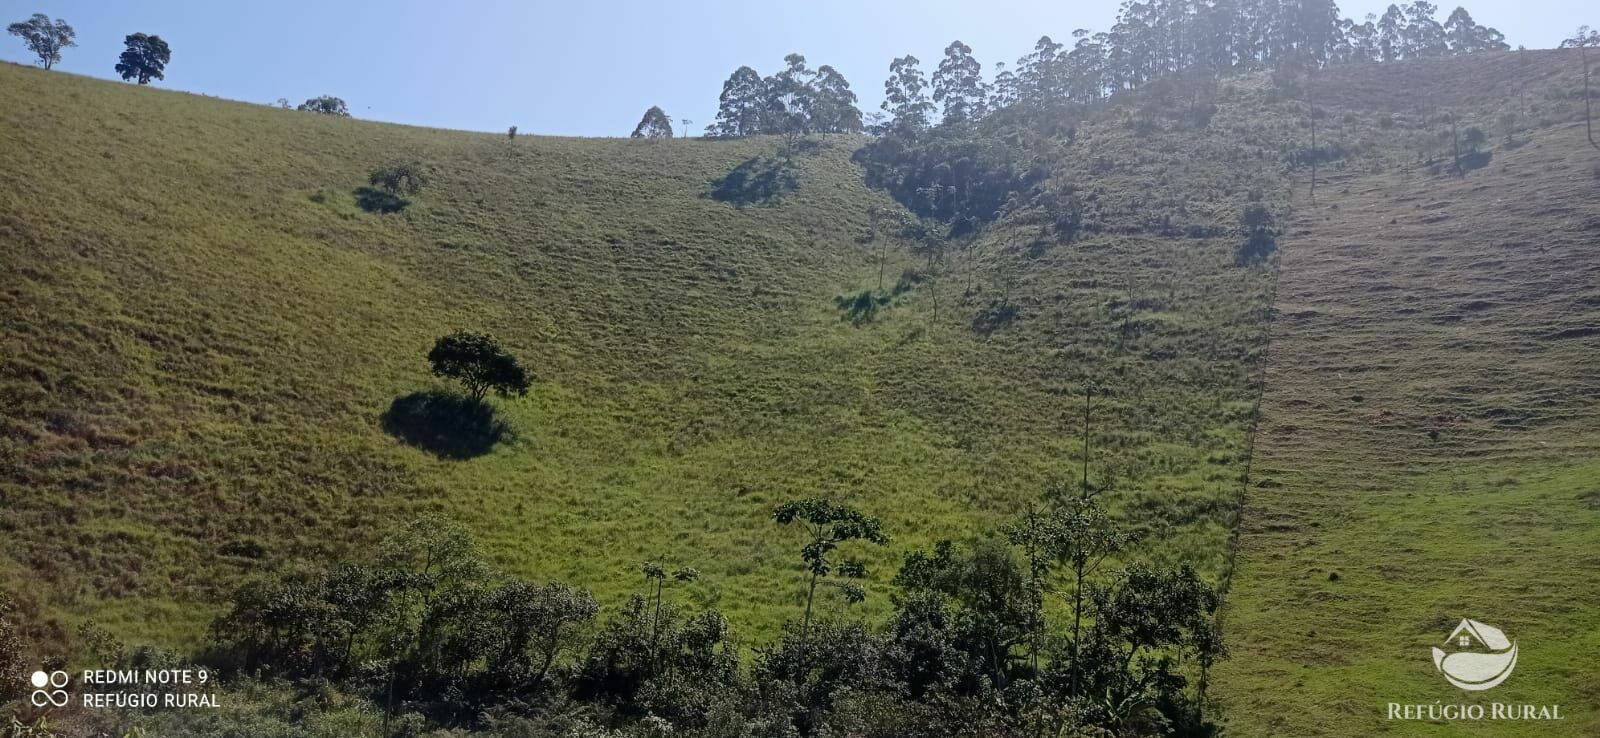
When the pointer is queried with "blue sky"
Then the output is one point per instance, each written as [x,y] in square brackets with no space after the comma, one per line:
[587,68]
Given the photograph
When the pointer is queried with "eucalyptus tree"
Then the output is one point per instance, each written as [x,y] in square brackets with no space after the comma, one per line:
[833,108]
[1584,40]
[654,124]
[44,37]
[789,101]
[905,96]
[958,84]
[740,110]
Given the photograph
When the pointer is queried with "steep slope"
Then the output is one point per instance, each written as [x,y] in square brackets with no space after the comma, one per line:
[211,340]
[211,353]
[203,333]
[1429,431]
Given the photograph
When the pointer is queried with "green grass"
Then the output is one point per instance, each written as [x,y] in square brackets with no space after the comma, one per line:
[209,329]
[1429,434]
[204,330]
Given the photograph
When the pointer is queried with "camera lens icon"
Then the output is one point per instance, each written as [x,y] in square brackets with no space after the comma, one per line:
[48,689]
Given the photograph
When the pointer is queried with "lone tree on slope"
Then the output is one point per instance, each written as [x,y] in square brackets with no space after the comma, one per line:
[479,364]
[400,178]
[1584,40]
[654,124]
[145,58]
[44,37]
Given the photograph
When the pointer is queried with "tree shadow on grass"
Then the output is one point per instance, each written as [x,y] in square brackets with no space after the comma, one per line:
[759,179]
[375,200]
[1476,160]
[445,424]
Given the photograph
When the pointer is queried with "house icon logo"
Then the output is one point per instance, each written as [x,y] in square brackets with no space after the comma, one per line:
[1482,657]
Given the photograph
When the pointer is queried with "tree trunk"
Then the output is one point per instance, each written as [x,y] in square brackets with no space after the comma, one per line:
[1087,394]
[1038,602]
[655,626]
[1077,620]
[1455,138]
[551,648]
[388,707]
[883,253]
[1311,98]
[805,623]
[1588,118]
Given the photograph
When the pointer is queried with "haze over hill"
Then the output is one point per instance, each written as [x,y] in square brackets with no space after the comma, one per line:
[214,362]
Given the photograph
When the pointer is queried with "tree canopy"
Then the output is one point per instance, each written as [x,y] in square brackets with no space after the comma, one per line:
[966,169]
[905,96]
[326,105]
[798,100]
[44,37]
[654,124]
[958,83]
[478,362]
[145,58]
[1162,37]
[400,178]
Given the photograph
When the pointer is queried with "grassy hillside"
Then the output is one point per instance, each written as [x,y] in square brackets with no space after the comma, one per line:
[213,355]
[1429,429]
[210,332]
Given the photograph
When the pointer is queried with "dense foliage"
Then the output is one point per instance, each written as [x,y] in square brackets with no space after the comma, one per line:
[654,124]
[144,59]
[400,178]
[477,361]
[427,630]
[797,100]
[326,105]
[991,145]
[996,139]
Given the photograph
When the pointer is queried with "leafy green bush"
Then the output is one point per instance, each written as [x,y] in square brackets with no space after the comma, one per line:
[861,308]
[403,178]
[1260,240]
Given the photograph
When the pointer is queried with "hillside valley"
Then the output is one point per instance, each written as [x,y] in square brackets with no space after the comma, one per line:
[213,364]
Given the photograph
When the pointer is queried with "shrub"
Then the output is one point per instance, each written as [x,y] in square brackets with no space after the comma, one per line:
[1260,238]
[403,178]
[908,279]
[12,659]
[996,315]
[860,308]
[326,105]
